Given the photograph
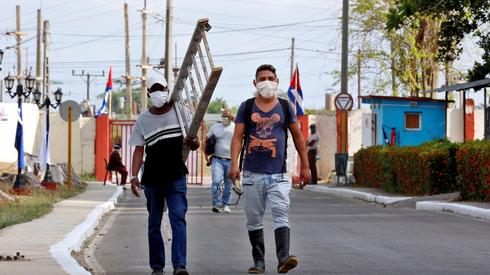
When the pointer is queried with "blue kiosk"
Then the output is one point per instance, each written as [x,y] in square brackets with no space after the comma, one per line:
[404,121]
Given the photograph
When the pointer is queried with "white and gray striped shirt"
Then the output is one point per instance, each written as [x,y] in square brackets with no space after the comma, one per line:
[151,128]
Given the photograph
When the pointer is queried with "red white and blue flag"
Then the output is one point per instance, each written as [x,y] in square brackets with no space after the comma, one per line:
[108,89]
[295,94]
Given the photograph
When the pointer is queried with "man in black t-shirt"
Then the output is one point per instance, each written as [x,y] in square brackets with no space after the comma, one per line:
[158,133]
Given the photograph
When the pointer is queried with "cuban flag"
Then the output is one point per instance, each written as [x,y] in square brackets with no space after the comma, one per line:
[295,94]
[19,138]
[108,89]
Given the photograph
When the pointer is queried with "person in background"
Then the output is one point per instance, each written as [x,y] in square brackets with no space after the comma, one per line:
[220,162]
[115,163]
[312,143]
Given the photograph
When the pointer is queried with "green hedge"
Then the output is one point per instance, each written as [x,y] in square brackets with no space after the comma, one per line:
[430,168]
[473,166]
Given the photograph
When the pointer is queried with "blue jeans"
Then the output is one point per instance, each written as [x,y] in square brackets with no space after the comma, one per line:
[175,195]
[219,173]
[262,189]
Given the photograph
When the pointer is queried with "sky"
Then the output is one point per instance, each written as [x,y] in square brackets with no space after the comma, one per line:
[89,35]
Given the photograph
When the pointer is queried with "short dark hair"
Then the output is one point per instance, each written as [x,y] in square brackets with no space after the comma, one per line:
[265,67]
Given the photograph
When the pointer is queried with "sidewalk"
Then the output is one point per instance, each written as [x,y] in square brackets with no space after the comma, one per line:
[443,202]
[47,242]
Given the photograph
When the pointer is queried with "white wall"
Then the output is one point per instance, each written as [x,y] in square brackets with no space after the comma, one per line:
[8,126]
[327,130]
[355,130]
[455,132]
[479,124]
[83,142]
[83,138]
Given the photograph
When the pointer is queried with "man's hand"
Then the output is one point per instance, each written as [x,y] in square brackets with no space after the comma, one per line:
[192,143]
[135,187]
[305,175]
[234,174]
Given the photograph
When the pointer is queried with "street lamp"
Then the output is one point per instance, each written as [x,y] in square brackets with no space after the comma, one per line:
[48,179]
[20,181]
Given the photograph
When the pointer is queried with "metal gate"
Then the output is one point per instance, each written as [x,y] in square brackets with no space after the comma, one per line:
[119,133]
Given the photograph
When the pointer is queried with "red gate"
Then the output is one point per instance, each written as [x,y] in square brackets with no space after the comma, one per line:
[119,133]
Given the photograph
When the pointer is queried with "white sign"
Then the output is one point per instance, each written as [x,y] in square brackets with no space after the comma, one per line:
[344,102]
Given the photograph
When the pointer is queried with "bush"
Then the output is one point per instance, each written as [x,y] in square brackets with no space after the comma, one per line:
[372,167]
[427,169]
[473,168]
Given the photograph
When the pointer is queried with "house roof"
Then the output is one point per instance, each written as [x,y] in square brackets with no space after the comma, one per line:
[418,99]
[479,84]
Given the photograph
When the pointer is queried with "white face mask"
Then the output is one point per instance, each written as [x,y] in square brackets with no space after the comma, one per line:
[226,121]
[267,88]
[158,98]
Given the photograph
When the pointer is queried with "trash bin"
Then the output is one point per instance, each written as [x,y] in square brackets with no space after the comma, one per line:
[341,165]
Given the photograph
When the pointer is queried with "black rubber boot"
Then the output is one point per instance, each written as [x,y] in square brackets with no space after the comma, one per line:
[286,261]
[258,251]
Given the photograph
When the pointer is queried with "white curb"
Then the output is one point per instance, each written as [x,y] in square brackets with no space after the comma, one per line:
[354,194]
[458,208]
[61,251]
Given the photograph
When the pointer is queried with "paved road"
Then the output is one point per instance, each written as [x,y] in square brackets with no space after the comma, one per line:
[329,234]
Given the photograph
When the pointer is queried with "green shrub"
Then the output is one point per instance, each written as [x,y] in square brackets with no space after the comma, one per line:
[473,168]
[427,169]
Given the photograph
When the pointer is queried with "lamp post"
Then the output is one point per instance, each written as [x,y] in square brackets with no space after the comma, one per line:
[48,179]
[20,181]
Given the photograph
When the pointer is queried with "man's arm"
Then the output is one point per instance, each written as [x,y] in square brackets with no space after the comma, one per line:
[236,146]
[136,165]
[301,148]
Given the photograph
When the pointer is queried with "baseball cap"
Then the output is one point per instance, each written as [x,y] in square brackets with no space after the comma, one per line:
[156,79]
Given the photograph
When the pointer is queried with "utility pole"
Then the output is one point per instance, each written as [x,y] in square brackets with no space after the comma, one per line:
[129,101]
[359,79]
[144,61]
[88,76]
[18,34]
[168,45]
[38,51]
[345,46]
[46,59]
[292,58]
[176,68]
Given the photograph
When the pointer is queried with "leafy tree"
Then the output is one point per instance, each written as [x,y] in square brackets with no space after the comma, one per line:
[391,58]
[216,105]
[457,19]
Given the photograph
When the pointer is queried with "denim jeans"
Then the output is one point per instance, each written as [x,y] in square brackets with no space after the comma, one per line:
[219,173]
[262,189]
[175,195]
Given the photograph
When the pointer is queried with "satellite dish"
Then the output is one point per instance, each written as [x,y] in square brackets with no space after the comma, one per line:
[75,110]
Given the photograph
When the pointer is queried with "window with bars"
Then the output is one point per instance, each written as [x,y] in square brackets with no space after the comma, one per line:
[413,121]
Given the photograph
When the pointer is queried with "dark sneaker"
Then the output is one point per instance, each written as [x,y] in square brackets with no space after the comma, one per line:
[216,210]
[180,271]
[258,269]
[157,272]
[290,263]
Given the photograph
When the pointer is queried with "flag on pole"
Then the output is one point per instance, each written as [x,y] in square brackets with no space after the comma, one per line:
[295,94]
[108,89]
[44,154]
[19,137]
